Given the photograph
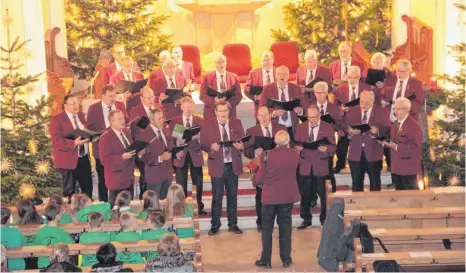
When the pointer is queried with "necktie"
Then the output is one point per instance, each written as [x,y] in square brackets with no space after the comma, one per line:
[159,133]
[267,132]
[352,94]
[188,124]
[311,134]
[268,77]
[223,87]
[172,83]
[226,150]
[397,128]
[400,90]
[81,150]
[345,71]
[285,115]
[322,112]
[311,77]
[364,118]
[125,143]
[109,109]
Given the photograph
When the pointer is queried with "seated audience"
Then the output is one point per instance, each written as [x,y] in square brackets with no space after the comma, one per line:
[128,233]
[155,225]
[27,213]
[151,202]
[60,255]
[121,205]
[106,257]
[58,200]
[95,235]
[82,206]
[10,238]
[170,259]
[175,204]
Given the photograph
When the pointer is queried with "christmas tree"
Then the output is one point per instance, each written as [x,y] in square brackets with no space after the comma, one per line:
[93,25]
[322,24]
[26,165]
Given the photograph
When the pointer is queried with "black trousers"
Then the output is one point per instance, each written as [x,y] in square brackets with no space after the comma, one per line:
[283,213]
[161,189]
[291,133]
[103,191]
[331,175]
[82,173]
[309,187]
[112,194]
[360,168]
[386,153]
[259,206]
[342,151]
[142,179]
[227,182]
[405,182]
[196,177]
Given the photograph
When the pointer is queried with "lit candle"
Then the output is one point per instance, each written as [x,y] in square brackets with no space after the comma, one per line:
[420,184]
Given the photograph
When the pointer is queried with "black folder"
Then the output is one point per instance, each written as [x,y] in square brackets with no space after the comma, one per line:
[137,146]
[362,127]
[339,82]
[352,103]
[177,149]
[313,82]
[327,118]
[230,142]
[173,95]
[133,87]
[314,145]
[374,76]
[255,90]
[380,138]
[266,143]
[190,132]
[84,134]
[283,105]
[143,122]
[227,94]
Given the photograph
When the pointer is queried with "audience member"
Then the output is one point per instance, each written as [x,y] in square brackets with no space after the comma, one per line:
[170,259]
[106,257]
[11,238]
[150,202]
[60,255]
[95,235]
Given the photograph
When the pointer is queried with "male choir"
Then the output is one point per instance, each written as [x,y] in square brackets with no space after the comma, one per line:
[389,110]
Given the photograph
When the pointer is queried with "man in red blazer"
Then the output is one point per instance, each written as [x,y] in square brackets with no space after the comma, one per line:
[169,80]
[127,72]
[225,164]
[265,128]
[284,91]
[340,67]
[158,169]
[313,165]
[365,154]
[119,164]
[344,94]
[158,72]
[404,86]
[97,120]
[184,68]
[192,158]
[312,70]
[406,147]
[260,77]
[326,107]
[220,80]
[118,52]
[71,156]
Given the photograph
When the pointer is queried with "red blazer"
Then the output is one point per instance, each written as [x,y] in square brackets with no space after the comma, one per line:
[414,86]
[315,159]
[159,86]
[210,80]
[255,79]
[155,172]
[118,172]
[278,176]
[64,152]
[137,76]
[379,91]
[294,90]
[111,70]
[335,67]
[136,112]
[96,121]
[257,131]
[187,71]
[321,71]
[154,75]
[334,111]
[379,118]
[194,148]
[406,160]
[211,134]
[342,92]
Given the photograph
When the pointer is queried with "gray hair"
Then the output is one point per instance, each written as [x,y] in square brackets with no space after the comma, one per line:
[321,86]
[404,63]
[282,138]
[403,102]
[379,55]
[354,69]
[310,53]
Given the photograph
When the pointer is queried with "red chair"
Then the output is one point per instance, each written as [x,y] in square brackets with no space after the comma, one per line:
[287,54]
[191,54]
[238,60]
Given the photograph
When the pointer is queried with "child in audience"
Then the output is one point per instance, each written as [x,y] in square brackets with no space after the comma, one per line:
[154,224]
[51,234]
[128,223]
[11,238]
[61,255]
[106,257]
[151,202]
[95,235]
[175,204]
[27,213]
[121,205]
[170,259]
[58,200]
[81,206]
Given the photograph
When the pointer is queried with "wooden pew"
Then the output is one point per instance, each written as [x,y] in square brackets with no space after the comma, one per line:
[409,217]
[391,199]
[416,258]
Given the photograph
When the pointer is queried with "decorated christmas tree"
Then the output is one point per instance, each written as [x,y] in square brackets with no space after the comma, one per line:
[93,25]
[26,166]
[322,24]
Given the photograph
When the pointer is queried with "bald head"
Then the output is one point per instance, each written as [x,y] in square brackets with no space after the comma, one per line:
[147,96]
[366,100]
[282,75]
[264,116]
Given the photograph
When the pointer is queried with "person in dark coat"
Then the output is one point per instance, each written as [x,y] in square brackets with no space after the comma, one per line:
[106,257]
[277,174]
[170,259]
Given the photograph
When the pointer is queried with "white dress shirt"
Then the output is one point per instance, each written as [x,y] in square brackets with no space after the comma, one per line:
[315,130]
[227,128]
[147,109]
[355,92]
[269,128]
[368,116]
[264,76]
[325,106]
[394,97]
[169,79]
[348,64]
[118,134]
[156,131]
[191,120]
[308,73]
[106,111]
[288,122]
[219,80]
[81,126]
[118,66]
[128,77]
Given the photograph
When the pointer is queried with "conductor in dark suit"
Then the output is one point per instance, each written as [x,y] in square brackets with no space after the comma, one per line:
[265,128]
[277,174]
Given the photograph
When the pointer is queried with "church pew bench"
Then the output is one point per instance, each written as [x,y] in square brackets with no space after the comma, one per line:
[390,199]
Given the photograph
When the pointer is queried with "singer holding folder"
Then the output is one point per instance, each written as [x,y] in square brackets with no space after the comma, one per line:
[118,163]
[71,156]
[313,164]
[311,71]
